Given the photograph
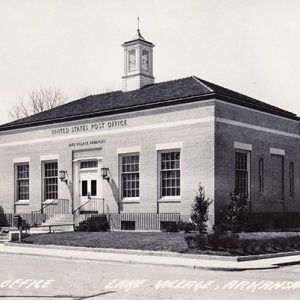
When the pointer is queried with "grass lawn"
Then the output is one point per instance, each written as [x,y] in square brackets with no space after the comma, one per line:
[247,243]
[156,241]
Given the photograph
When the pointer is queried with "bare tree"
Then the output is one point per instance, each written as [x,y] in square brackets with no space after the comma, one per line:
[38,100]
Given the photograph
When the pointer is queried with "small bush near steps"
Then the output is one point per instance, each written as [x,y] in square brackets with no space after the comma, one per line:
[93,224]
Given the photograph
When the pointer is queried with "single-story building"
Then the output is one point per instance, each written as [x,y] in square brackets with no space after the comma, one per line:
[143,151]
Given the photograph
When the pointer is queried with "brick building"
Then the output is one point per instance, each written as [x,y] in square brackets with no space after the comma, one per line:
[144,150]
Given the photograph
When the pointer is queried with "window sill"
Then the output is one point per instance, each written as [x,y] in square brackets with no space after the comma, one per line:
[169,199]
[22,202]
[130,200]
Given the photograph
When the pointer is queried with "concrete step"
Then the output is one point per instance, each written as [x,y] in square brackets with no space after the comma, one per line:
[57,223]
[49,222]
[2,240]
[53,229]
[62,217]
[59,219]
[4,237]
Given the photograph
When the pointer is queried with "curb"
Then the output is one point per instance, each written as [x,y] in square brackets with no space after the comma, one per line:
[207,268]
[265,256]
[160,253]
[137,253]
[126,251]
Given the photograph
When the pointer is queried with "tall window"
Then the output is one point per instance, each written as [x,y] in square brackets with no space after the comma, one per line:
[130,176]
[50,180]
[170,173]
[242,172]
[291,177]
[22,182]
[261,175]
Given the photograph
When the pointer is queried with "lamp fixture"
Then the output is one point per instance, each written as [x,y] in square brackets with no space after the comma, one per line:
[104,173]
[63,175]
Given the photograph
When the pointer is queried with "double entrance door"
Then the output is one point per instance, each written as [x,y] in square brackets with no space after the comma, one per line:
[90,187]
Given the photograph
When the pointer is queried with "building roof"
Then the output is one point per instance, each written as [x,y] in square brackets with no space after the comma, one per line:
[138,37]
[189,89]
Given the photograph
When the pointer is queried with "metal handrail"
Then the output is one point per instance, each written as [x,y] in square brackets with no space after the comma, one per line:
[78,208]
[47,204]
[43,207]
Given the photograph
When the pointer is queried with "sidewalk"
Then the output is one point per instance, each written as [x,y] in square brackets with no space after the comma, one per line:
[141,257]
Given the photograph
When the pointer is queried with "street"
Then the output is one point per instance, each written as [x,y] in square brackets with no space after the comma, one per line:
[50,278]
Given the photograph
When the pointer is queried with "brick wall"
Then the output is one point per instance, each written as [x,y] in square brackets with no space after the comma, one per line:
[191,125]
[206,132]
[261,141]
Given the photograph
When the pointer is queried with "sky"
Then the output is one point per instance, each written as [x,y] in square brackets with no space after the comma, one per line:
[75,45]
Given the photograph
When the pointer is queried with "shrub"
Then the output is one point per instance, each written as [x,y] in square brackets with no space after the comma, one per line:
[242,245]
[218,240]
[169,226]
[221,226]
[234,217]
[199,213]
[294,242]
[93,224]
[186,226]
[3,221]
[254,227]
[198,241]
[236,210]
[82,226]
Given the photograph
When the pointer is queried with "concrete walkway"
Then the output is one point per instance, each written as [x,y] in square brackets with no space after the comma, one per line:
[140,257]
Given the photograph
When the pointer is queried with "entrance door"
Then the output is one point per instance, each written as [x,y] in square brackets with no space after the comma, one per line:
[90,186]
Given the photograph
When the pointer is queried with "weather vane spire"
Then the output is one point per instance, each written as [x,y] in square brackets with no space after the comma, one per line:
[138,23]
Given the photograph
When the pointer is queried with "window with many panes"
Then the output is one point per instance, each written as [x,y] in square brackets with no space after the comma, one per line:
[88,164]
[242,172]
[22,182]
[170,173]
[130,176]
[50,180]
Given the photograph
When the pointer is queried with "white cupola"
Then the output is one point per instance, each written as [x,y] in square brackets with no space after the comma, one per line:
[138,63]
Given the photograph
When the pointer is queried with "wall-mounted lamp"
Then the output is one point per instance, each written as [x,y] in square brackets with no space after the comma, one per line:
[63,176]
[104,173]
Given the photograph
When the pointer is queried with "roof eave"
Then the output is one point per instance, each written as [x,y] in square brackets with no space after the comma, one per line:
[284,114]
[139,40]
[109,112]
